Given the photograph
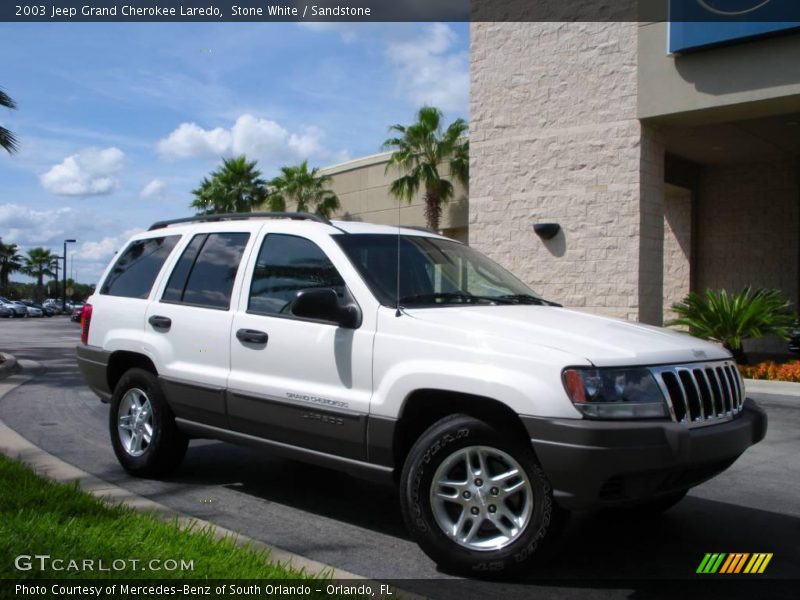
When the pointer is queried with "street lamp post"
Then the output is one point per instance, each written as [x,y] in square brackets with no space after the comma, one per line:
[64,289]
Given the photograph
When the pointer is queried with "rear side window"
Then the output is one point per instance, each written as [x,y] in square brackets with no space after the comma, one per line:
[206,271]
[287,264]
[137,267]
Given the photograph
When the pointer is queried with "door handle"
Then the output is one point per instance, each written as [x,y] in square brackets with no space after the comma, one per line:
[159,322]
[252,336]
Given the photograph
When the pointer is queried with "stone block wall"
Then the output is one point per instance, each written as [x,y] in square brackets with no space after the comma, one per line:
[747,231]
[554,138]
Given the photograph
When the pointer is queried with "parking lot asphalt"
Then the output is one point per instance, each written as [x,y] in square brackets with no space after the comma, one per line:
[356,525]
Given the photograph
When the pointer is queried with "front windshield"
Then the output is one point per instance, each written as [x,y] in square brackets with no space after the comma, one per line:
[433,272]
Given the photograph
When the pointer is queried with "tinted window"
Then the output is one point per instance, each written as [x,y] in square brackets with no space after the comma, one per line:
[205,272]
[180,274]
[432,271]
[137,267]
[287,264]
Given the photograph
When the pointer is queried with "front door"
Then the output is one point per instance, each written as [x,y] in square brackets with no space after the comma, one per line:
[297,381]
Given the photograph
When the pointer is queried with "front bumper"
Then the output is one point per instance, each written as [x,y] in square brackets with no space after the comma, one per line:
[604,463]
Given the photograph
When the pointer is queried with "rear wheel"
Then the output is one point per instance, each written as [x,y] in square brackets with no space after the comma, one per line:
[143,432]
[475,499]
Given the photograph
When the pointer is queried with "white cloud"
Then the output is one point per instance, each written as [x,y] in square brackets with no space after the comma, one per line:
[262,139]
[28,227]
[100,252]
[191,141]
[154,189]
[430,71]
[88,173]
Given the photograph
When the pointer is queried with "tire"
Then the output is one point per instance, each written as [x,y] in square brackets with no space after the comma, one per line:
[150,445]
[528,518]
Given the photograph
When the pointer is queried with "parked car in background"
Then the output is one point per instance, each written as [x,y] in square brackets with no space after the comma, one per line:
[5,312]
[28,311]
[55,306]
[34,310]
[794,341]
[77,310]
[19,310]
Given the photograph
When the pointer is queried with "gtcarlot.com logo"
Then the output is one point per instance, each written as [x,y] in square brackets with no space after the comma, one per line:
[734,563]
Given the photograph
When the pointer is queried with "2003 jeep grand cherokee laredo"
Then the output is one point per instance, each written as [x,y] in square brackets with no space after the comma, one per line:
[494,410]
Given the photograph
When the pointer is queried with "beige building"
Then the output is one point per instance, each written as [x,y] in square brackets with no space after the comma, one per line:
[363,189]
[666,171]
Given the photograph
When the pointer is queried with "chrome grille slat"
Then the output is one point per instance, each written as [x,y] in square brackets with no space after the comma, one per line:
[703,393]
[716,388]
[725,386]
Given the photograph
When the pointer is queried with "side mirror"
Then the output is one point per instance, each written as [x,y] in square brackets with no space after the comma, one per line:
[322,304]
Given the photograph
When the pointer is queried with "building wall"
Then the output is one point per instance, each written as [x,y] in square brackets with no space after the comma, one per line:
[677,247]
[741,80]
[748,231]
[363,189]
[555,138]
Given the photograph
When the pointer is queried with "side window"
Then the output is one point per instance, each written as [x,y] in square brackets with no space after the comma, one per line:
[137,267]
[287,264]
[206,270]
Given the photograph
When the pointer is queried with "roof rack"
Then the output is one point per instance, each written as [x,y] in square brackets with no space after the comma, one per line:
[295,216]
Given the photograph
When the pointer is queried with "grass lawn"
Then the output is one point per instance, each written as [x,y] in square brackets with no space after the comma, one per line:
[41,517]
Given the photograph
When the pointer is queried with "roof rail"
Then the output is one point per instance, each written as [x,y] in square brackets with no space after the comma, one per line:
[295,216]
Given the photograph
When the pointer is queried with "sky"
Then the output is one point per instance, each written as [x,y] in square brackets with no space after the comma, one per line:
[117,123]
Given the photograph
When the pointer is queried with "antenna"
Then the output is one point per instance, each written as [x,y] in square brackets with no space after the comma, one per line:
[397,311]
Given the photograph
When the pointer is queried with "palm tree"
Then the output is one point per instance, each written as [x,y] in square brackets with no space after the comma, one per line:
[7,139]
[39,263]
[419,151]
[306,190]
[10,261]
[236,186]
[731,318]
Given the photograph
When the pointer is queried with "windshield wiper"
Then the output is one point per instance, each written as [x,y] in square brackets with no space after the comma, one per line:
[528,299]
[453,297]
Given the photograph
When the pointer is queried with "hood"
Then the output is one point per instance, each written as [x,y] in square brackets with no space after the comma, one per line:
[601,340]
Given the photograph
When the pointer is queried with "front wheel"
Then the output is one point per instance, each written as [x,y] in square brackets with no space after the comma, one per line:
[475,499]
[143,432]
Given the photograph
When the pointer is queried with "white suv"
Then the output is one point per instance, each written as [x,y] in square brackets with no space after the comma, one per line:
[402,355]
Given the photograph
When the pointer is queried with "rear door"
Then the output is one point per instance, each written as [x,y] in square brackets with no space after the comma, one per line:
[188,326]
[301,382]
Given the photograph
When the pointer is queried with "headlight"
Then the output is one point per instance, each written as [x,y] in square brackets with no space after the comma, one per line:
[615,393]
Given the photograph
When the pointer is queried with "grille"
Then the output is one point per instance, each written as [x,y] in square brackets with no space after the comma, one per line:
[702,393]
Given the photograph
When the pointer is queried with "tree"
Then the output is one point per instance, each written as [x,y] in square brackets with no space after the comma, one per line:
[39,263]
[10,261]
[730,319]
[236,186]
[306,190]
[8,140]
[420,150]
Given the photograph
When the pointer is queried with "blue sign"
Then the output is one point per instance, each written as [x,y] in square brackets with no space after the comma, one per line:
[696,24]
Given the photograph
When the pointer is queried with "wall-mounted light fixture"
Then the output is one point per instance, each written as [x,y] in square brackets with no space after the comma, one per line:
[546,231]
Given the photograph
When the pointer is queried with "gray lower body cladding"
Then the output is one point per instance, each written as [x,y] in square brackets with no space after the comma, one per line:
[93,365]
[597,463]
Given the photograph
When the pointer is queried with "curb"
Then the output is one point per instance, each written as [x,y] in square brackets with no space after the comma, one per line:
[17,447]
[782,388]
[9,366]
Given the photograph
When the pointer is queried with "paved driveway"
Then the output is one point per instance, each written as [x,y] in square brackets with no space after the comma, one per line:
[356,525]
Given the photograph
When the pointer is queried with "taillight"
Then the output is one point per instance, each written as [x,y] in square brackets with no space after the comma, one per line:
[86,320]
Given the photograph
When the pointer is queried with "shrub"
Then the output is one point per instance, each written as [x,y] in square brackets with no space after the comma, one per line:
[772,371]
[731,318]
